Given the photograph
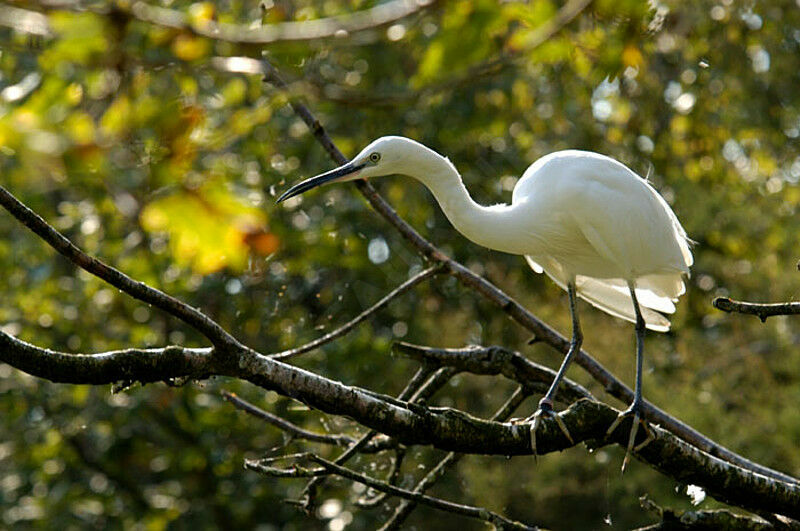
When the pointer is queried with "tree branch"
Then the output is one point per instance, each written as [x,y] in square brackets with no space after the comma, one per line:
[671,520]
[309,30]
[141,365]
[345,328]
[419,381]
[292,31]
[753,308]
[443,428]
[283,424]
[138,290]
[463,510]
[494,360]
[406,507]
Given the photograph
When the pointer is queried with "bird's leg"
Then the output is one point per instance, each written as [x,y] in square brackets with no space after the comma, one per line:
[635,408]
[546,403]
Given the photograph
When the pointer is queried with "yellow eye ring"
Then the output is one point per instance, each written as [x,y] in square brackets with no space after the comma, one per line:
[374,157]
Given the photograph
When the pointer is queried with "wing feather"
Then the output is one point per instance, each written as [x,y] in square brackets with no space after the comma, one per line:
[612,295]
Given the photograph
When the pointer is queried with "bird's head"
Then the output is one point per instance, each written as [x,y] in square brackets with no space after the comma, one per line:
[385,156]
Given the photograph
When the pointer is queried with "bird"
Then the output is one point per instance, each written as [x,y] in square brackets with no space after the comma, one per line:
[595,227]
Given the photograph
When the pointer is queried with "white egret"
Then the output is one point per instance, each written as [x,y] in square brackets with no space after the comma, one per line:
[595,227]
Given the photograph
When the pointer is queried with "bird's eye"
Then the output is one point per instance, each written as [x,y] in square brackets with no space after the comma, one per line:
[374,157]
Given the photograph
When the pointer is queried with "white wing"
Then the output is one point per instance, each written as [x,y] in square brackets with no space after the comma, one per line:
[594,215]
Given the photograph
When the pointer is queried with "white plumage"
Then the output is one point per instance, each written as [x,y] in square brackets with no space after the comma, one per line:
[603,224]
[591,224]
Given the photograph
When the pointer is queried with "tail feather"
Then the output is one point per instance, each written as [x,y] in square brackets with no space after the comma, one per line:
[618,303]
[655,293]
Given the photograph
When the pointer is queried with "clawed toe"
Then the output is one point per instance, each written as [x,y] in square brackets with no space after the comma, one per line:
[546,410]
[634,410]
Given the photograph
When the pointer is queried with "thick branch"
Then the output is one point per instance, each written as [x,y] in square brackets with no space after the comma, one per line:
[453,430]
[138,290]
[753,308]
[443,428]
[141,365]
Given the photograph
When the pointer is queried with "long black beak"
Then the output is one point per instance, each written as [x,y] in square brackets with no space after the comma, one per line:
[313,182]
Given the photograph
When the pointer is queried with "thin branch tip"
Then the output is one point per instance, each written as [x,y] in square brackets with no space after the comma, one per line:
[760,310]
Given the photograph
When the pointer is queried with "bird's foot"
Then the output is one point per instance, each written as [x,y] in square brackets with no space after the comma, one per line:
[634,410]
[535,420]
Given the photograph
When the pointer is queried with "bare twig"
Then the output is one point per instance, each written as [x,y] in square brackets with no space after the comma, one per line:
[406,507]
[494,360]
[418,381]
[464,510]
[511,307]
[283,424]
[758,309]
[293,471]
[372,499]
[435,382]
[345,328]
[138,290]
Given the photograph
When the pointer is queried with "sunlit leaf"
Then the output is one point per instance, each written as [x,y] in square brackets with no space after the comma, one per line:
[189,47]
[209,228]
[116,119]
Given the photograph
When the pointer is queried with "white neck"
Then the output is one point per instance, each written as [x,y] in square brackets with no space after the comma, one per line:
[487,226]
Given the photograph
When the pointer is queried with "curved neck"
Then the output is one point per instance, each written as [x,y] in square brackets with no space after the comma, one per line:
[486,226]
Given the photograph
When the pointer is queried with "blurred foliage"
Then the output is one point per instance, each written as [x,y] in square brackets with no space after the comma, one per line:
[126,137]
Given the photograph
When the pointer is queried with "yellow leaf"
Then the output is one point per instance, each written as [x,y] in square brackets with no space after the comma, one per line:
[190,48]
[631,56]
[116,119]
[209,228]
[202,13]
[80,128]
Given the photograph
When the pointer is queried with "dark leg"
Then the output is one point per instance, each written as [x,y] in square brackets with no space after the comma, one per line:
[546,403]
[635,408]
